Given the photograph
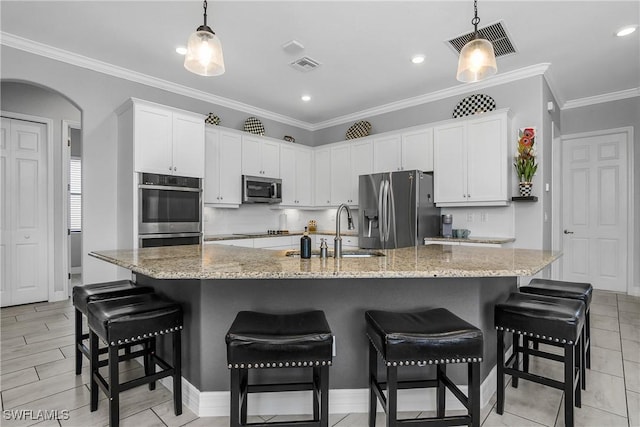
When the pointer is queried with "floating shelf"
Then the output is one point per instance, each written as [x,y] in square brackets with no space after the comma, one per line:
[525,199]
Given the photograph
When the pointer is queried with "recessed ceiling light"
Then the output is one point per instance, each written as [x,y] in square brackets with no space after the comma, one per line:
[625,31]
[306,98]
[181,50]
[417,59]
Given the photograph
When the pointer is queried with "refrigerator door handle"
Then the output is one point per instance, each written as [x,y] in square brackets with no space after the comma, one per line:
[391,217]
[381,211]
[387,213]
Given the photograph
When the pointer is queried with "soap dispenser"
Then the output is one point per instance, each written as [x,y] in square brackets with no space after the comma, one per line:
[323,249]
[305,245]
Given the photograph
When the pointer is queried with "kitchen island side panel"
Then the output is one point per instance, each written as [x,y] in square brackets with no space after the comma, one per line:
[188,294]
[344,302]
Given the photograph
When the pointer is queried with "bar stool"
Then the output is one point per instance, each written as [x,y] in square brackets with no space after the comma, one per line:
[263,341]
[134,320]
[571,290]
[82,295]
[432,337]
[549,320]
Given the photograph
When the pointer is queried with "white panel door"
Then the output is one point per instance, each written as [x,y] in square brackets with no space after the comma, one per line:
[594,205]
[24,219]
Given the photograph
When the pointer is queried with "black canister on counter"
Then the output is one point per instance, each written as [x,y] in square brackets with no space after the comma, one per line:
[305,245]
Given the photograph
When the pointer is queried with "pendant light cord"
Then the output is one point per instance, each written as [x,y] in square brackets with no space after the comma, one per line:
[475,21]
[204,5]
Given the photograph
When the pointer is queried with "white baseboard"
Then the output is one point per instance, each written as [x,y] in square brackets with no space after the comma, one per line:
[341,401]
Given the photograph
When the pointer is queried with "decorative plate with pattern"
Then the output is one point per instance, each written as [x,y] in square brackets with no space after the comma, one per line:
[358,130]
[474,104]
[254,126]
[212,119]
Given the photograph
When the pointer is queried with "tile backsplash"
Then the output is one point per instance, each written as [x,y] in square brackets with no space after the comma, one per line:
[260,218]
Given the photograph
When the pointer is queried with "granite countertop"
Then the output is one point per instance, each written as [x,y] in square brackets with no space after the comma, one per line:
[260,235]
[492,240]
[232,262]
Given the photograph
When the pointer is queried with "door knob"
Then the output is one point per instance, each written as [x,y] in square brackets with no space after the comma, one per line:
[568,232]
[27,236]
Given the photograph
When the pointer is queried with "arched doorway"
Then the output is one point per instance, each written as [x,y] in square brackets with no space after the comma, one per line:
[24,103]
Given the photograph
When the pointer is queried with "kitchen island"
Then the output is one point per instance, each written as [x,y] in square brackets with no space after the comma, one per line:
[214,282]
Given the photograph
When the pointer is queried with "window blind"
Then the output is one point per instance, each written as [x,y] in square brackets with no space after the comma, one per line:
[75,194]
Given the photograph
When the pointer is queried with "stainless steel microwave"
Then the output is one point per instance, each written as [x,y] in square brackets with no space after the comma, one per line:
[260,189]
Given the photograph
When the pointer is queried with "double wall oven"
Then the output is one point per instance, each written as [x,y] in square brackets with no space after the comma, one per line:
[169,210]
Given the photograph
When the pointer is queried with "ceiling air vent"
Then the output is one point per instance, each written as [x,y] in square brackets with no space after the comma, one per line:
[305,64]
[496,33]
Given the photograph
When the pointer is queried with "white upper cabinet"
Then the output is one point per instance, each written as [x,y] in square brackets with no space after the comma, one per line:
[167,141]
[322,177]
[404,151]
[417,150]
[340,175]
[296,174]
[260,157]
[387,155]
[223,172]
[471,161]
[361,164]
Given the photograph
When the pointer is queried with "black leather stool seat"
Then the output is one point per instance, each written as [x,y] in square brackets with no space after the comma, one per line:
[431,336]
[543,317]
[124,321]
[133,318]
[261,340]
[560,289]
[98,291]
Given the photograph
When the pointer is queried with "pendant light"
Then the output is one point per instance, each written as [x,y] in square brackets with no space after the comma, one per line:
[477,58]
[204,51]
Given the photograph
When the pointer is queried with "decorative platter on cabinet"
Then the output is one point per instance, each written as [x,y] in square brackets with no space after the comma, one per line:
[474,104]
[254,126]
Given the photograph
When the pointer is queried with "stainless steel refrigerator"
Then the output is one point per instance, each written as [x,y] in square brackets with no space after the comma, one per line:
[396,209]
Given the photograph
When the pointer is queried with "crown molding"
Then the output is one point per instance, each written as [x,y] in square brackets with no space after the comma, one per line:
[41,49]
[598,99]
[17,42]
[499,79]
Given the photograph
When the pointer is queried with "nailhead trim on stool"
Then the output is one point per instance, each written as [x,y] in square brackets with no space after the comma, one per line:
[261,340]
[400,339]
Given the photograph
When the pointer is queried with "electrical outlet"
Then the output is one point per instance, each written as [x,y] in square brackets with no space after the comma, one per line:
[484,216]
[469,217]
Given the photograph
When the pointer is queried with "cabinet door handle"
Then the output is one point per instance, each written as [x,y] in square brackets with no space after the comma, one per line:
[568,232]
[468,195]
[175,168]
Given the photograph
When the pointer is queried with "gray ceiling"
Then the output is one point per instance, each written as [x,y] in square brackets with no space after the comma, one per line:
[364,46]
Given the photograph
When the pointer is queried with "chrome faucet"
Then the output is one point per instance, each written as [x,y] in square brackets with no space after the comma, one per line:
[337,242]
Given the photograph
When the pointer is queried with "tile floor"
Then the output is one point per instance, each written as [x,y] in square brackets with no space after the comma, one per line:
[37,373]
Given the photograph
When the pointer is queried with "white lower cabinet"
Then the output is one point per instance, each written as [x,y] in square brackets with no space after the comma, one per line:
[276,243]
[350,242]
[244,243]
[223,171]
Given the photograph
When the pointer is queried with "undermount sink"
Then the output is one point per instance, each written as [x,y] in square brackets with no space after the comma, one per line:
[356,253]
